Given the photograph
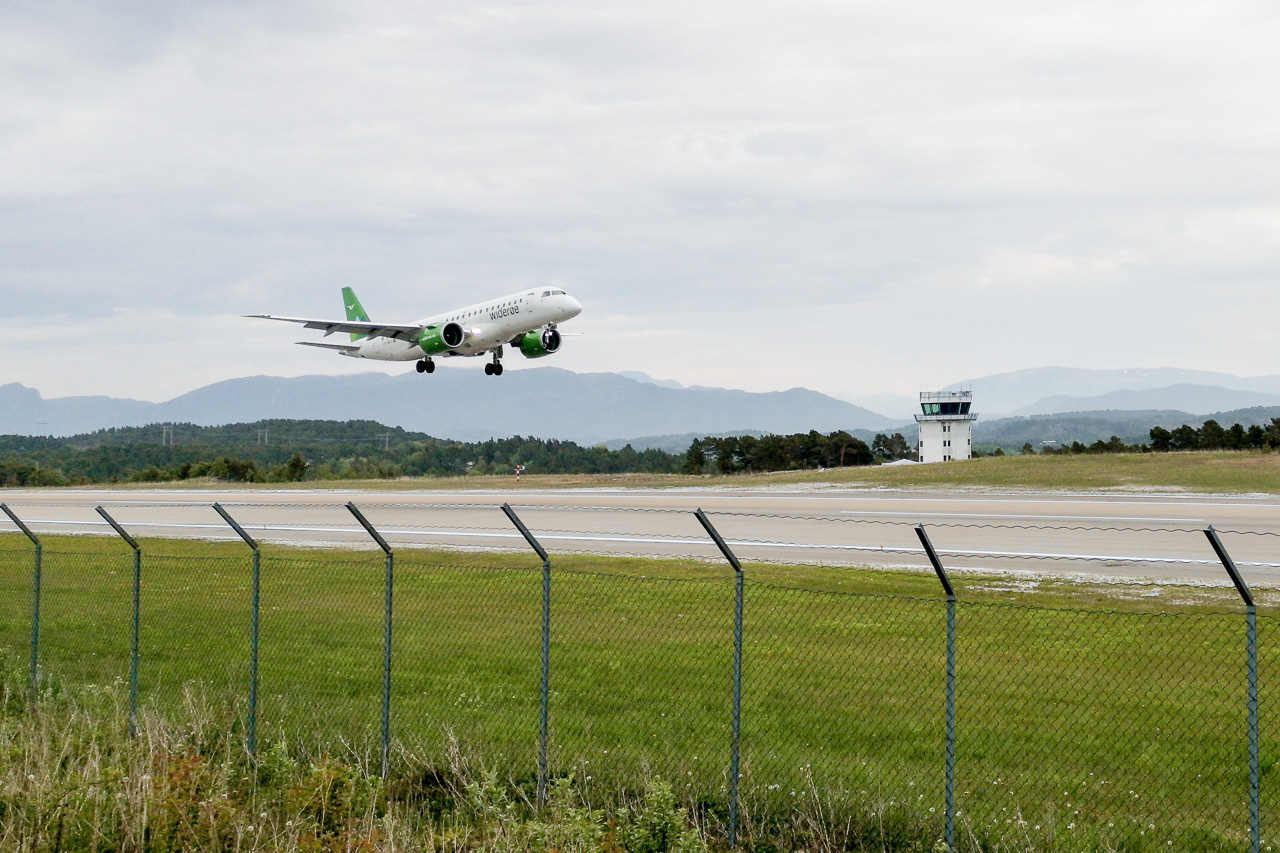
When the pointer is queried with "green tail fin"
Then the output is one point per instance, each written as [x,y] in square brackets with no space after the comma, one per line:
[355,311]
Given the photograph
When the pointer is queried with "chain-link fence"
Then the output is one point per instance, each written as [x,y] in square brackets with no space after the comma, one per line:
[1104,726]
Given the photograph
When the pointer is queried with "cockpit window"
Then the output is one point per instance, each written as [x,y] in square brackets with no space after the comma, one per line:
[546,293]
[557,293]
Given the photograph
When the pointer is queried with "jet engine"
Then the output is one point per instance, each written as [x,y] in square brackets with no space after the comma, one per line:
[540,342]
[438,339]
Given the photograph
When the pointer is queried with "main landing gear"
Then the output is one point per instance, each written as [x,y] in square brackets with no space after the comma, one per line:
[495,367]
[426,366]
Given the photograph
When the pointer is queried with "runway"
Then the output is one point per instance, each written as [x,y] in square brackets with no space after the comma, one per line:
[1142,536]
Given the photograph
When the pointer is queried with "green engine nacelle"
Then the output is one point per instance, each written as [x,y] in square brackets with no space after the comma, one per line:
[536,344]
[438,339]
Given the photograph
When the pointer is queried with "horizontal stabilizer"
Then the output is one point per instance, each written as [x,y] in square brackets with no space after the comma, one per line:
[338,347]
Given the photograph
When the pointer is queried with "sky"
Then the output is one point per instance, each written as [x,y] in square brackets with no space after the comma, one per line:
[854,197]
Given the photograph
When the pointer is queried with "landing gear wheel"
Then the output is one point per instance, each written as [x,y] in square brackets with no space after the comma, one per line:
[421,367]
[497,369]
[430,366]
[488,369]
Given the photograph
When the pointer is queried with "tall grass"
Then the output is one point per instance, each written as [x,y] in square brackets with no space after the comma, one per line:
[72,779]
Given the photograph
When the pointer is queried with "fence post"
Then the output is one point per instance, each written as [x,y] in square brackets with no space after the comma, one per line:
[545,707]
[1251,643]
[253,627]
[35,604]
[735,738]
[386,636]
[137,602]
[950,825]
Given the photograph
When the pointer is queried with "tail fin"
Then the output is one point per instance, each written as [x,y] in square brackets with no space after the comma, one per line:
[355,311]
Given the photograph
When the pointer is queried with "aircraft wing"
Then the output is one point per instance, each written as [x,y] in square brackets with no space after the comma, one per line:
[355,327]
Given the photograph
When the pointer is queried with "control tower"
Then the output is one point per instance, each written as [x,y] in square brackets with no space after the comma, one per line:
[946,426]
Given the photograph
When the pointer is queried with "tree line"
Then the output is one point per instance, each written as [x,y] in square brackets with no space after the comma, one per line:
[1209,436]
[796,452]
[297,451]
[1212,436]
[292,451]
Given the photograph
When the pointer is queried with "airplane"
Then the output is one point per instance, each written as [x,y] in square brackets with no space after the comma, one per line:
[525,321]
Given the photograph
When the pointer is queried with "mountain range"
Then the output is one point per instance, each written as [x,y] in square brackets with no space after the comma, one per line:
[544,402]
[1044,404]
[1050,390]
[1183,397]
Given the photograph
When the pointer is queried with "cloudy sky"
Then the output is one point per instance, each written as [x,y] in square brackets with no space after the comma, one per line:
[856,197]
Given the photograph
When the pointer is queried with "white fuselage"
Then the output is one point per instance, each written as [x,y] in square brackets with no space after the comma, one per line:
[487,325]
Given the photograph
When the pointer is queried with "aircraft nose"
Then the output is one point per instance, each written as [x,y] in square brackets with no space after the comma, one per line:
[574,305]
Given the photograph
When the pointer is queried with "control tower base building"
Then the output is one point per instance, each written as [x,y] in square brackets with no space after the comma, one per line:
[946,426]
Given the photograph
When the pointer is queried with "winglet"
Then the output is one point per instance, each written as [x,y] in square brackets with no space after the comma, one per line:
[355,311]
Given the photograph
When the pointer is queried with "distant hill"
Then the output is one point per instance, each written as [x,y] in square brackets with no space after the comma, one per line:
[1008,393]
[24,412]
[893,406]
[1260,415]
[646,379]
[1184,397]
[546,402]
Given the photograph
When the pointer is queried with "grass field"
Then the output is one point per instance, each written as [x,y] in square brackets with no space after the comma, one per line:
[1088,717]
[1226,472]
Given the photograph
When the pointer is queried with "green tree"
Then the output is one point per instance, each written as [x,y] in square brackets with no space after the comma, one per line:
[1186,438]
[771,454]
[297,467]
[726,454]
[1271,438]
[890,448]
[856,452]
[1236,438]
[1212,436]
[292,471]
